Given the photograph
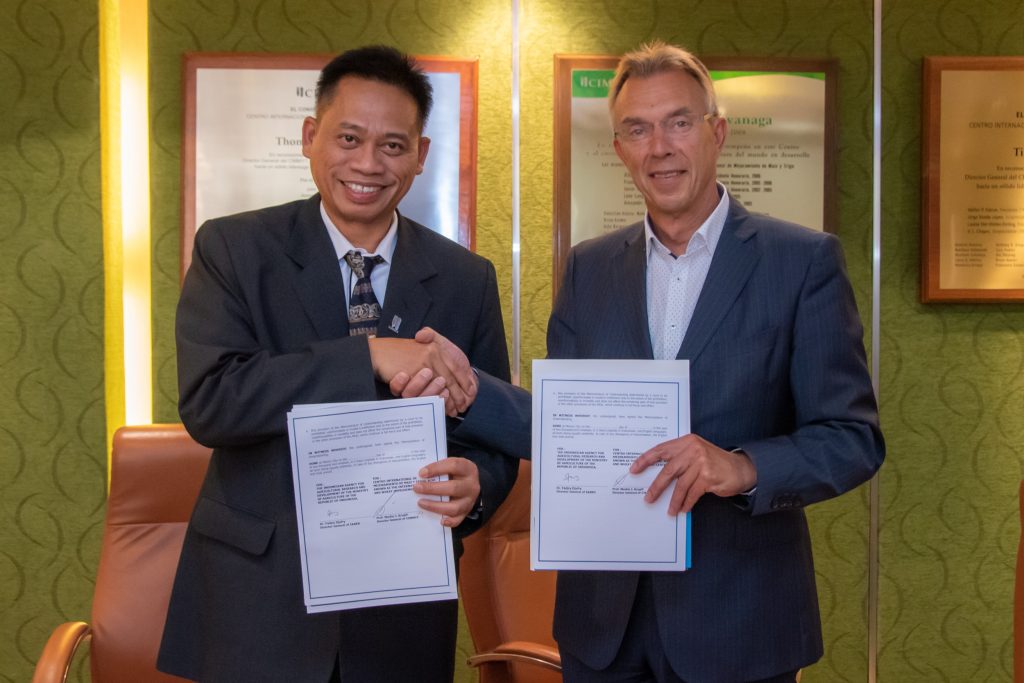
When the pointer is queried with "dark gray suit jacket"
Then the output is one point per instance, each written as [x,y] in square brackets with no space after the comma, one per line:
[777,368]
[262,325]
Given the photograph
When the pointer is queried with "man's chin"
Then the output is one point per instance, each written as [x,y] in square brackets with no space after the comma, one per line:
[366,214]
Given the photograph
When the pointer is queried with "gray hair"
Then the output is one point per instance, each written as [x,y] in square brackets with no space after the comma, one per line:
[658,57]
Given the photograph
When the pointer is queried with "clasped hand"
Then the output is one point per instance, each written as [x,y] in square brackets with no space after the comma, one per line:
[429,365]
[697,467]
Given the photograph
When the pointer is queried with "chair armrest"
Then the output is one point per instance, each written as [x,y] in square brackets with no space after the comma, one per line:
[523,652]
[59,651]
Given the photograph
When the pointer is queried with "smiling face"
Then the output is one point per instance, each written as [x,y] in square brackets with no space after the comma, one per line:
[364,149]
[675,173]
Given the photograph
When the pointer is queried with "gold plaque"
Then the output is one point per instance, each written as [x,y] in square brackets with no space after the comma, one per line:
[973,166]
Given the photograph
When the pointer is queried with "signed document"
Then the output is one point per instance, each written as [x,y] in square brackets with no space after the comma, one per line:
[591,420]
[363,540]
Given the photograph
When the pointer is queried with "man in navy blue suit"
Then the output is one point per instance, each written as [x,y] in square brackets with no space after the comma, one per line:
[782,408]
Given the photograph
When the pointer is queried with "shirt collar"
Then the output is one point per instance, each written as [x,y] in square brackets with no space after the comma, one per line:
[707,234]
[386,248]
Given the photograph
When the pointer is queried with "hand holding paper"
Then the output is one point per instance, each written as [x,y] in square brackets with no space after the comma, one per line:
[592,419]
[462,489]
[365,537]
[697,467]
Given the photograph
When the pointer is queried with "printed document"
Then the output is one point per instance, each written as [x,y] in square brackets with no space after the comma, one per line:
[363,540]
[591,420]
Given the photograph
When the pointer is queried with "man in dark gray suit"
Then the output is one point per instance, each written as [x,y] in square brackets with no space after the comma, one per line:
[305,303]
[782,409]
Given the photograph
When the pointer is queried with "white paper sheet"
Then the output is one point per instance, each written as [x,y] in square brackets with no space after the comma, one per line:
[591,420]
[363,539]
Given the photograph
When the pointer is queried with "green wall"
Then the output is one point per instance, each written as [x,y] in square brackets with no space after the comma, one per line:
[952,390]
[52,479]
[952,377]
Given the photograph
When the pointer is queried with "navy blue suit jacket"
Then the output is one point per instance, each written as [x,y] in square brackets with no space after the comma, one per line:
[262,325]
[777,368]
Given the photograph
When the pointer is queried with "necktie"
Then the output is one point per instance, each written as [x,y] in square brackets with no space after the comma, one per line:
[363,307]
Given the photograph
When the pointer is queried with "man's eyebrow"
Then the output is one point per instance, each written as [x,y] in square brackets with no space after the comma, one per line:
[632,120]
[347,125]
[682,111]
[356,128]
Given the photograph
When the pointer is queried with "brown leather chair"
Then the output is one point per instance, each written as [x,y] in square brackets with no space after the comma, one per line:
[509,608]
[155,474]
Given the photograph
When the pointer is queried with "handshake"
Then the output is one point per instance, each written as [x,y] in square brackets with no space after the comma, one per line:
[429,365]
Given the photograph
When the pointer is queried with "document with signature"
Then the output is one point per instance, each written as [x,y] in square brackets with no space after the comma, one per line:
[591,420]
[363,540]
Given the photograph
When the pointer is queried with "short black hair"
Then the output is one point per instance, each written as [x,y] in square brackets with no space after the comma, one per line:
[378,63]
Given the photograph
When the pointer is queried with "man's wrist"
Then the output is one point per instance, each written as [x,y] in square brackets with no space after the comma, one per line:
[455,420]
[745,499]
[748,471]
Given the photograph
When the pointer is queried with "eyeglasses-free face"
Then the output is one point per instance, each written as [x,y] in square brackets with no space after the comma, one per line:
[365,146]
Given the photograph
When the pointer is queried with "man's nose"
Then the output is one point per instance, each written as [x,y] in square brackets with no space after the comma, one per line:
[661,142]
[367,159]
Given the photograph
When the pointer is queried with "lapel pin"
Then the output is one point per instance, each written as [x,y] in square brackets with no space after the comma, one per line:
[396,322]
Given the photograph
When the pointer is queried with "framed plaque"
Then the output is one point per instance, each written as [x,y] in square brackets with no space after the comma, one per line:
[972,168]
[779,158]
[242,140]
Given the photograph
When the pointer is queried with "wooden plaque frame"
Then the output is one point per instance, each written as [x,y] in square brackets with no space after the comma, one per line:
[192,62]
[931,190]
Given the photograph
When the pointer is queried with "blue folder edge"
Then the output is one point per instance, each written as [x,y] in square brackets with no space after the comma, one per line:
[688,539]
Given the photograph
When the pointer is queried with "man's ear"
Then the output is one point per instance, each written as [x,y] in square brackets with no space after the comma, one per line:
[309,126]
[424,148]
[721,129]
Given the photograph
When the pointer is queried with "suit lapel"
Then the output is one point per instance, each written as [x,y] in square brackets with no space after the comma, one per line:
[731,267]
[318,282]
[407,300]
[631,282]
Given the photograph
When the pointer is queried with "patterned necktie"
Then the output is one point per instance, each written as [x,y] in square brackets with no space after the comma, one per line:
[363,308]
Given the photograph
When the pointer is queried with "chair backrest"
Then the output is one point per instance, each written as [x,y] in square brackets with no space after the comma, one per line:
[504,601]
[155,475]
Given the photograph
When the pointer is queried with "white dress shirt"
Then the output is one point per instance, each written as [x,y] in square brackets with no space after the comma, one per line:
[674,282]
[379,274]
